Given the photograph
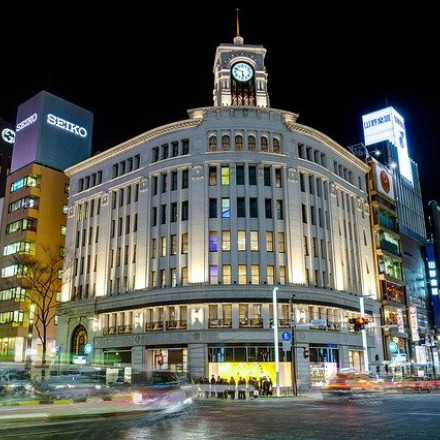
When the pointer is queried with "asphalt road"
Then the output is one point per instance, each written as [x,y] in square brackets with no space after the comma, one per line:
[399,416]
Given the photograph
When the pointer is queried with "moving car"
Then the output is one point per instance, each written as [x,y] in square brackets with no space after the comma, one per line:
[351,384]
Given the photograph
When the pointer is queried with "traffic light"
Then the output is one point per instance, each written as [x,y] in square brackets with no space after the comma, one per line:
[359,322]
[305,353]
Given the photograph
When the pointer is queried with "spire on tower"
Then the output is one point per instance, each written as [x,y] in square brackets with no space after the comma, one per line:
[237,38]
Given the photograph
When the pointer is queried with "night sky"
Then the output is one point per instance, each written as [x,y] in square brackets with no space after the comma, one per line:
[136,70]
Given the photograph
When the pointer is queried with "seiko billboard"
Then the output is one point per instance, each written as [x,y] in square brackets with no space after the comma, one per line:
[388,125]
[52,132]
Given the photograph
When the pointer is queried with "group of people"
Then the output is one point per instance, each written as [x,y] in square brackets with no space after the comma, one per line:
[235,388]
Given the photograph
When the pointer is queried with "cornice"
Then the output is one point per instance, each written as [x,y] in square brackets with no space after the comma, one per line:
[132,143]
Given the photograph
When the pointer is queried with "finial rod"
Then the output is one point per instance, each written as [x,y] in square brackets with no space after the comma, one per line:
[238,23]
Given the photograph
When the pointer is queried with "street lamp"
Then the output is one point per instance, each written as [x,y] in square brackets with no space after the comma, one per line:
[293,347]
[275,341]
[364,336]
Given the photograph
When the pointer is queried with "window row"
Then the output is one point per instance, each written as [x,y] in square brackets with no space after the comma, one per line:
[90,181]
[320,217]
[25,224]
[245,208]
[169,180]
[266,143]
[24,203]
[124,196]
[16,316]
[245,240]
[173,149]
[26,181]
[313,185]
[312,155]
[343,172]
[160,215]
[16,293]
[24,247]
[121,226]
[246,274]
[244,174]
[126,166]
[319,247]
[159,278]
[169,245]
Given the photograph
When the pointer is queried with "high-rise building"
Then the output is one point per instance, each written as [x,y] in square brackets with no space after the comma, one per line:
[51,134]
[191,238]
[385,140]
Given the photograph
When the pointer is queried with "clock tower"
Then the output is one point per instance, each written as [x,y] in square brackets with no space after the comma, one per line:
[240,77]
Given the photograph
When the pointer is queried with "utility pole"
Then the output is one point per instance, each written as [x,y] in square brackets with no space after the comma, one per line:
[293,346]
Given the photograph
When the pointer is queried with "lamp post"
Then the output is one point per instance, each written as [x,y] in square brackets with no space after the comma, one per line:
[293,347]
[364,336]
[275,341]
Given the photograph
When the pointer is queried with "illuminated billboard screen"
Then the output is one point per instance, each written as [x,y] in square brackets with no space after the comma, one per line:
[388,125]
[383,180]
[52,132]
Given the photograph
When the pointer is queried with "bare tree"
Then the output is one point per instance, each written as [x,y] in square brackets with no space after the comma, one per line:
[41,278]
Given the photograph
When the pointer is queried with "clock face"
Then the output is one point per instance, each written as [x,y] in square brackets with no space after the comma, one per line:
[242,72]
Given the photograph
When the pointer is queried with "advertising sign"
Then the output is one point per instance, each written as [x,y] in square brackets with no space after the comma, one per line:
[384,180]
[388,125]
[52,132]
[413,323]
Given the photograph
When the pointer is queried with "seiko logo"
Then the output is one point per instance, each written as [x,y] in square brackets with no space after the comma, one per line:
[8,135]
[66,125]
[28,121]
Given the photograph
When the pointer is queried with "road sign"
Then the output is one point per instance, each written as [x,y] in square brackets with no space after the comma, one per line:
[392,346]
[287,345]
[286,336]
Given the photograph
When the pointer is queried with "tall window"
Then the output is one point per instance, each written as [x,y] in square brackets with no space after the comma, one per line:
[185,178]
[226,207]
[253,207]
[241,207]
[255,274]
[242,274]
[238,142]
[241,240]
[226,270]
[269,241]
[163,246]
[212,175]
[226,241]
[213,274]
[270,274]
[283,275]
[251,143]
[239,174]
[226,142]
[278,182]
[281,245]
[184,276]
[173,244]
[212,241]
[252,174]
[185,243]
[225,174]
[254,240]
[279,204]
[268,208]
[267,176]
[212,143]
[212,208]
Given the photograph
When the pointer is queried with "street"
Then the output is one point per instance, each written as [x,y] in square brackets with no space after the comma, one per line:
[400,416]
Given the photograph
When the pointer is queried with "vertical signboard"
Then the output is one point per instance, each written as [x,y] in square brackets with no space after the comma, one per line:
[388,125]
[413,323]
[383,180]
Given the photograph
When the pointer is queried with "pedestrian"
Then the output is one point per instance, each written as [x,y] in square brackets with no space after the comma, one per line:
[212,386]
[232,388]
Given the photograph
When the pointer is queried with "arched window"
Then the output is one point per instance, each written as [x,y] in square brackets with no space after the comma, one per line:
[251,143]
[79,339]
[226,142]
[238,142]
[212,143]
[264,144]
[276,145]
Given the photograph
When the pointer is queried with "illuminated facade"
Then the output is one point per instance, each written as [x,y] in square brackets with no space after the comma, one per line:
[49,137]
[180,235]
